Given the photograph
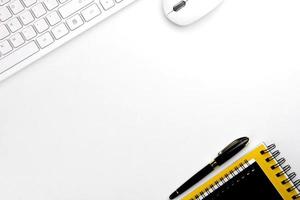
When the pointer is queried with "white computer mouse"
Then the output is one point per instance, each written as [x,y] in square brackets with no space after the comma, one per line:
[186,12]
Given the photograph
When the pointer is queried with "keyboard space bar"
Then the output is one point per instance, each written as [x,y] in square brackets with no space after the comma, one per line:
[18,56]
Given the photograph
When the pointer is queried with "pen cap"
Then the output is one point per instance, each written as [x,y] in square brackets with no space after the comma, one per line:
[231,150]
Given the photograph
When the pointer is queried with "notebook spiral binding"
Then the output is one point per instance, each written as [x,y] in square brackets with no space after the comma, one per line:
[285,169]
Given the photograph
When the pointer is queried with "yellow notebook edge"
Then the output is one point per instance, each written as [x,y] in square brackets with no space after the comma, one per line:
[254,155]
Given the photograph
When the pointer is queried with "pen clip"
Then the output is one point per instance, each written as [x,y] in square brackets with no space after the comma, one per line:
[230,150]
[231,146]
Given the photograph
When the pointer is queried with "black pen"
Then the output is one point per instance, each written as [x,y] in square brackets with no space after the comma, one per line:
[227,153]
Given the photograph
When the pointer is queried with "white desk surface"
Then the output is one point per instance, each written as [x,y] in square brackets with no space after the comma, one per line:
[133,107]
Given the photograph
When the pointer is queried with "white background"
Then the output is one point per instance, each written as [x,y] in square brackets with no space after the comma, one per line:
[133,107]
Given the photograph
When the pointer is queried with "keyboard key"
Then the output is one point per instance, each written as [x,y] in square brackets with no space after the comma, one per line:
[3,32]
[18,56]
[29,2]
[41,25]
[74,22]
[17,40]
[91,12]
[26,17]
[14,25]
[73,6]
[23,36]
[4,48]
[38,10]
[107,4]
[60,31]
[50,4]
[2,2]
[53,18]
[28,33]
[45,40]
[16,6]
[4,14]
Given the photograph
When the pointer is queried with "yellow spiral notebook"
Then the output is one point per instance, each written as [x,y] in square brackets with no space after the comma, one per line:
[259,175]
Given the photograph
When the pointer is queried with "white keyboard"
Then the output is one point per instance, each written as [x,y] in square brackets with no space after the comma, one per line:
[30,29]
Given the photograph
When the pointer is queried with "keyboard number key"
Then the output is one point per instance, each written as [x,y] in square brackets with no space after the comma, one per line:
[41,25]
[107,4]
[60,31]
[26,17]
[17,40]
[14,25]
[16,6]
[28,33]
[74,22]
[4,48]
[3,32]
[91,12]
[53,18]
[38,10]
[45,40]
[4,14]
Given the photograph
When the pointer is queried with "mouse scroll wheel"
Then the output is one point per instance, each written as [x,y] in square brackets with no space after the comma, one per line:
[179,6]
